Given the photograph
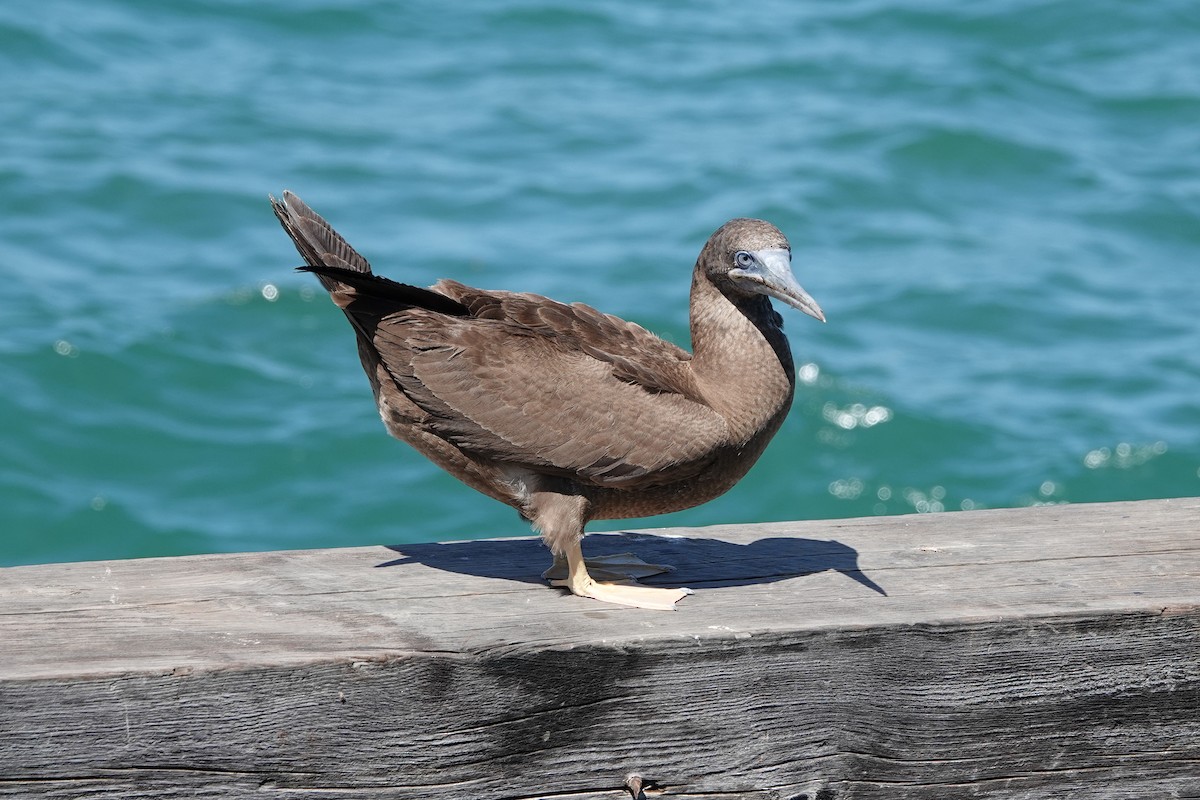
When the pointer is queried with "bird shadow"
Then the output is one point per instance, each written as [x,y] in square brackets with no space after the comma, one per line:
[698,562]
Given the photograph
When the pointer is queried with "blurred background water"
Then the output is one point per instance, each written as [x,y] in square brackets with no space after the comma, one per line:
[997,205]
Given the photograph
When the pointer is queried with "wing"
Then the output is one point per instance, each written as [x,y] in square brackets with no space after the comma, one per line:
[636,355]
[548,386]
[526,400]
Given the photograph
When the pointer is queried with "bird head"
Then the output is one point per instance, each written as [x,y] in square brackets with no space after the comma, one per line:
[752,256]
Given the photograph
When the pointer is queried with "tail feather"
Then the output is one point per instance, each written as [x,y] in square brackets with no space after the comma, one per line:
[315,239]
[384,295]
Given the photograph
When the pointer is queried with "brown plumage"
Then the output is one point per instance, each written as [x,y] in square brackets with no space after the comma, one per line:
[568,414]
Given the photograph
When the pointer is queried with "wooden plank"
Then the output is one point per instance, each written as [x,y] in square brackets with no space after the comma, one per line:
[1045,652]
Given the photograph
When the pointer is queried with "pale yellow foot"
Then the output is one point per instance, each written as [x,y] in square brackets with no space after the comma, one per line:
[625,593]
[616,567]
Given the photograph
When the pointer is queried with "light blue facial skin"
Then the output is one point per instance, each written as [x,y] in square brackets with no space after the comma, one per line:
[771,274]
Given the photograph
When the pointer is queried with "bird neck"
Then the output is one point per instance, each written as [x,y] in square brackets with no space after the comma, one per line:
[740,357]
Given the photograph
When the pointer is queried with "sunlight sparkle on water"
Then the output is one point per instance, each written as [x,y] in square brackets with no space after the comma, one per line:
[929,501]
[847,489]
[1124,455]
[858,415]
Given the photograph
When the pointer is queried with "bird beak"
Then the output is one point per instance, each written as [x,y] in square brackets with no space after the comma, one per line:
[772,276]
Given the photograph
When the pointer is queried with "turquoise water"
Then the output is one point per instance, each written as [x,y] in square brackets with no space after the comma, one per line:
[997,205]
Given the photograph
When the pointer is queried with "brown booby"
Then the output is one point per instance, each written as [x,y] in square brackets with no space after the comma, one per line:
[568,414]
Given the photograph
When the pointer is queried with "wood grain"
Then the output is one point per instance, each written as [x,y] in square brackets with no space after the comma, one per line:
[1043,652]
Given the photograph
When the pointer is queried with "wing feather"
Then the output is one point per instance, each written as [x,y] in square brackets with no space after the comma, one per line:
[526,401]
[545,385]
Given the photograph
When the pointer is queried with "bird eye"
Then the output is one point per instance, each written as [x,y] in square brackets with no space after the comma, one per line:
[743,259]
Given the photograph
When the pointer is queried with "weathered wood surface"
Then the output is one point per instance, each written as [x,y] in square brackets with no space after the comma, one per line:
[1031,653]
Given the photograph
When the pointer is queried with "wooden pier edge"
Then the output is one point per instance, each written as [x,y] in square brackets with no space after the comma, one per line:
[1023,653]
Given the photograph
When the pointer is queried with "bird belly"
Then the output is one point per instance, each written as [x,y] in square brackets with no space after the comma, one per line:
[697,489]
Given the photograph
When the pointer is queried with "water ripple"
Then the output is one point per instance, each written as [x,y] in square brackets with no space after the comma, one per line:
[996,205]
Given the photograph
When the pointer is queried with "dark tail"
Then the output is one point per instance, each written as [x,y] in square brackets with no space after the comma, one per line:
[316,240]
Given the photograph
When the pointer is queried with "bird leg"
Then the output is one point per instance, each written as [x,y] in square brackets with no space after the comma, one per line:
[612,567]
[560,516]
[627,593]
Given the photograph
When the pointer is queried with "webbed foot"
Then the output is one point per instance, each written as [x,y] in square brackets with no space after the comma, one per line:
[625,591]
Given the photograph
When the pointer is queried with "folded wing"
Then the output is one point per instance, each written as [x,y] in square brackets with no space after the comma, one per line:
[521,379]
